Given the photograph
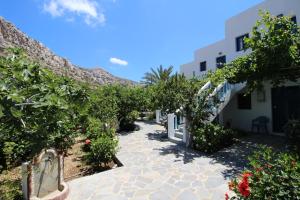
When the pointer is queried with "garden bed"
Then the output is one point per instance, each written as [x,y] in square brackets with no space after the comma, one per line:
[75,165]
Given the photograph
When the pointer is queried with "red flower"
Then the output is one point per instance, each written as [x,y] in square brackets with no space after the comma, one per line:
[244,185]
[226,197]
[87,141]
[247,175]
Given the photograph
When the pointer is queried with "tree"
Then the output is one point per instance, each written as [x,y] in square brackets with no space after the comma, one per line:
[37,108]
[274,56]
[160,74]
[178,94]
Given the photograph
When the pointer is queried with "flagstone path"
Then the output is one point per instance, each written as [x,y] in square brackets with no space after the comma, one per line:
[156,169]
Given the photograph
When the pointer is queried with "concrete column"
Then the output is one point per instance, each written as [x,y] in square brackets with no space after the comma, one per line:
[158,115]
[186,134]
[184,129]
[171,130]
[25,174]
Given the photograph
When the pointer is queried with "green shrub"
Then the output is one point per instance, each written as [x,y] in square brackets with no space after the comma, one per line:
[152,116]
[211,137]
[10,185]
[103,149]
[292,132]
[127,123]
[94,129]
[12,152]
[97,129]
[11,190]
[271,176]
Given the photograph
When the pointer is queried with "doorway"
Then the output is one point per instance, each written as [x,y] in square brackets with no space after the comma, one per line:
[285,106]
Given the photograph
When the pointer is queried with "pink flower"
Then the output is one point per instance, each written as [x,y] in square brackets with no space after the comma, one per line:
[87,141]
[226,196]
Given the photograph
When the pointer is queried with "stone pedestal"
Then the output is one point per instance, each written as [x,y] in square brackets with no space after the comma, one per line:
[158,115]
[42,178]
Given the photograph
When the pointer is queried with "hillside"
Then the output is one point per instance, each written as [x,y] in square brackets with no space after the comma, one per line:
[10,36]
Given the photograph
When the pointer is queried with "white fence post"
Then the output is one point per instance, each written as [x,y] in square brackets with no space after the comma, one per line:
[184,129]
[171,130]
[158,115]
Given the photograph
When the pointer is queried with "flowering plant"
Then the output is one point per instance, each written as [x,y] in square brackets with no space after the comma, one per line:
[87,141]
[271,176]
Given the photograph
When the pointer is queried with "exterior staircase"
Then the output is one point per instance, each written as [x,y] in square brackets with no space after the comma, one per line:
[223,93]
[217,101]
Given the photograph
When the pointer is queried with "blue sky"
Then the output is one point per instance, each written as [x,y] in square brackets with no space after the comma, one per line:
[125,37]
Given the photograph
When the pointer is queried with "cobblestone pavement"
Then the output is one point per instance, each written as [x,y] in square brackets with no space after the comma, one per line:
[156,169]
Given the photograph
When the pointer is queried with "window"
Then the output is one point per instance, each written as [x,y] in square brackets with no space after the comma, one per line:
[244,101]
[280,15]
[240,43]
[203,66]
[294,19]
[221,61]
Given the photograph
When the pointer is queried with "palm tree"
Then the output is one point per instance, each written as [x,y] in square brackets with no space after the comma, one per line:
[160,74]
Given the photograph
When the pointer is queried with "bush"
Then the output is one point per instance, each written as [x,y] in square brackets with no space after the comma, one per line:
[10,185]
[271,176]
[103,149]
[292,131]
[127,123]
[152,116]
[211,137]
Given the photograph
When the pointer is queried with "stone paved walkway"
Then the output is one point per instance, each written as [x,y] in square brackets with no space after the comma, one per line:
[156,169]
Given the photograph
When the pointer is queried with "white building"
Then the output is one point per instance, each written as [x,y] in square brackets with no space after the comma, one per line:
[277,104]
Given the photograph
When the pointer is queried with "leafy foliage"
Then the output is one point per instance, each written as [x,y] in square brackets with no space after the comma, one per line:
[177,93]
[155,76]
[212,137]
[38,109]
[130,101]
[292,132]
[102,149]
[274,56]
[271,176]
[10,190]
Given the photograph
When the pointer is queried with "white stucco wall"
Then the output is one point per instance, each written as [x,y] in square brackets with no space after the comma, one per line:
[242,119]
[234,27]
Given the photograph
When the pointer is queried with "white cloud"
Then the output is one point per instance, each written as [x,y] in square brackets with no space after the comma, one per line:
[118,61]
[89,9]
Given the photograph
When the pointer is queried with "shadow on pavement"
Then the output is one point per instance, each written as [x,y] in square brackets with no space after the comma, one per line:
[234,157]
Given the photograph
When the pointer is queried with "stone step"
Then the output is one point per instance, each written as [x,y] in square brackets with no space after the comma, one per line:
[180,129]
[179,135]
[176,140]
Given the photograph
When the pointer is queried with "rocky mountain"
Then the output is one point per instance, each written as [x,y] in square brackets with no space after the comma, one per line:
[10,36]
